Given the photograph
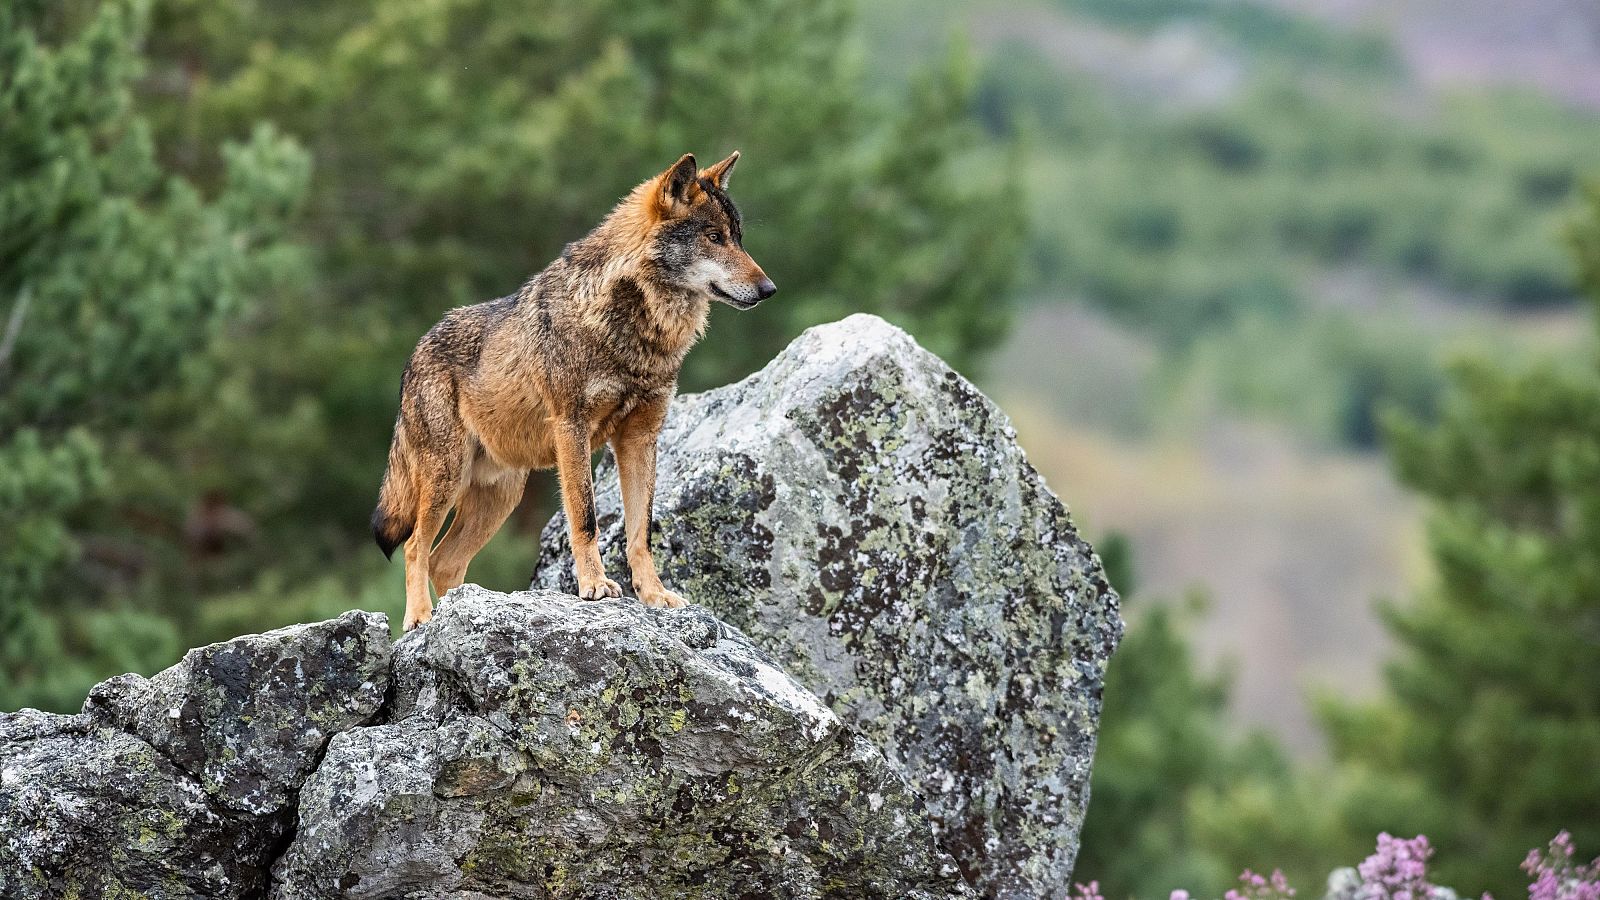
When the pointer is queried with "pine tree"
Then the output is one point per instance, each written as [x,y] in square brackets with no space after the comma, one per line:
[1178,799]
[1163,736]
[114,278]
[1489,737]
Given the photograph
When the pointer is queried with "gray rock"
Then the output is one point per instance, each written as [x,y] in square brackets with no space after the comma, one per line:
[866,516]
[90,811]
[544,746]
[182,785]
[1343,884]
[249,717]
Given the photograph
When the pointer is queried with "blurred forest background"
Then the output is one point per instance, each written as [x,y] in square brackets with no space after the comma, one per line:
[1286,297]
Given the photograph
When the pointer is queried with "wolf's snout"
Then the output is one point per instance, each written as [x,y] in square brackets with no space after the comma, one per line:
[765,288]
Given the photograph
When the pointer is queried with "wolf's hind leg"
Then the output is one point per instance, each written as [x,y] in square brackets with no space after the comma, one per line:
[431,509]
[483,508]
[439,483]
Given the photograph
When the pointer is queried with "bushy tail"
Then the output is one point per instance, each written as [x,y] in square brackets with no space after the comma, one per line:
[396,515]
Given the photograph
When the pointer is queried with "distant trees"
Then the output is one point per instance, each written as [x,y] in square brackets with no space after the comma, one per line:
[1273,240]
[1489,734]
[115,279]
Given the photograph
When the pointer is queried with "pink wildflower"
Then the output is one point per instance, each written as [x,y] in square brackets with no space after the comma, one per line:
[1398,870]
[1556,877]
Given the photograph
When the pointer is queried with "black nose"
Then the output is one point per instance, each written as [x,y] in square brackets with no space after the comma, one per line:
[765,288]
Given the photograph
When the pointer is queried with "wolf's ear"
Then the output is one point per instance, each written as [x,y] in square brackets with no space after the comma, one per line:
[678,183]
[719,173]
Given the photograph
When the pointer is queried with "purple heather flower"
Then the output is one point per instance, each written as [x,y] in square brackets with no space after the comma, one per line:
[1555,877]
[1090,891]
[1397,871]
[1260,887]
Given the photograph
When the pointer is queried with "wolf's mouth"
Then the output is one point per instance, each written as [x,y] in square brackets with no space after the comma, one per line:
[734,301]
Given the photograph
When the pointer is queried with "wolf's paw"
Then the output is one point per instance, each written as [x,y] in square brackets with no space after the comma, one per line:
[599,589]
[662,598]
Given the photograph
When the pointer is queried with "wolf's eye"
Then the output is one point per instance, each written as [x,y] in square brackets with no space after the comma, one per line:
[715,237]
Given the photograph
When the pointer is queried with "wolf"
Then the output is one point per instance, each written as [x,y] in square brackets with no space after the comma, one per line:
[586,353]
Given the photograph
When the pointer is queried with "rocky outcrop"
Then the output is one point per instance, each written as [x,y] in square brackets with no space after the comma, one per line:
[529,745]
[90,811]
[250,717]
[857,509]
[181,785]
[865,515]
[545,746]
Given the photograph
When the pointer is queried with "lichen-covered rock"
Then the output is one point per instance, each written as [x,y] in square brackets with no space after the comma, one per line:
[543,746]
[866,516]
[249,717]
[181,785]
[90,811]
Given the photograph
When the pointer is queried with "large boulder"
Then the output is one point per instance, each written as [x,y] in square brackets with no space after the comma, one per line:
[90,811]
[530,745]
[543,746]
[865,515]
[182,785]
[250,717]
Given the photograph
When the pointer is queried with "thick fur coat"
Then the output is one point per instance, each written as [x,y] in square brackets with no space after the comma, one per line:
[586,353]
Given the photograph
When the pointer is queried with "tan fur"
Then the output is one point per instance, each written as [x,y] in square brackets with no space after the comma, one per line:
[587,352]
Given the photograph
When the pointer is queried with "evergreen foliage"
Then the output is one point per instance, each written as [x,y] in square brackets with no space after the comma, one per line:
[116,278]
[1492,718]
[1486,736]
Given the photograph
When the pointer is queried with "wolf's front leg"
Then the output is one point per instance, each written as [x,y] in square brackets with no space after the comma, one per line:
[635,446]
[577,497]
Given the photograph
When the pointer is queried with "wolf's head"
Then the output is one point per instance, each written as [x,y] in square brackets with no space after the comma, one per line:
[696,240]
